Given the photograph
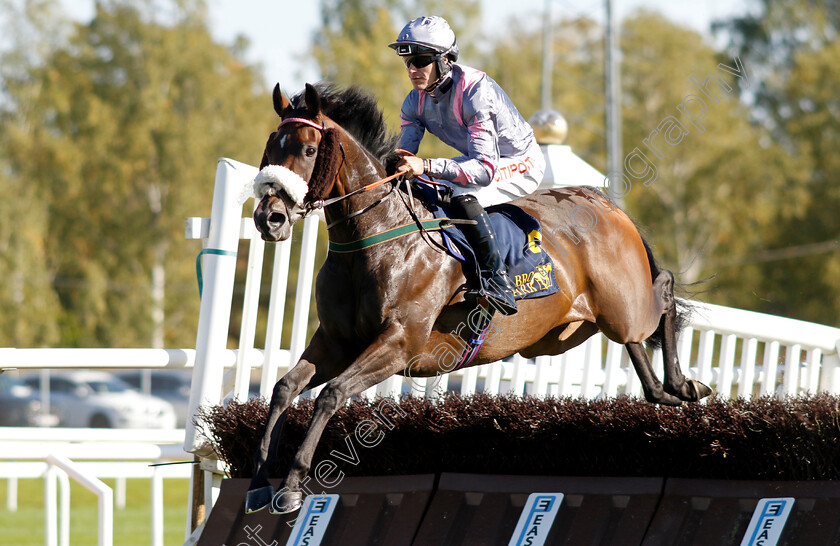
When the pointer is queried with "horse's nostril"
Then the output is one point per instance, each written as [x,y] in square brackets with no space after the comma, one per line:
[276,218]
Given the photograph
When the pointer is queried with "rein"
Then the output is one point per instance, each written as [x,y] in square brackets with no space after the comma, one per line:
[320,204]
[422,226]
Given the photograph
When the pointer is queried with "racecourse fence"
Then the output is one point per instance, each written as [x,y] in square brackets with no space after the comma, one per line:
[738,353]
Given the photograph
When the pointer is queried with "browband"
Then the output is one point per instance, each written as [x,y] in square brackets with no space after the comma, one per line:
[304,121]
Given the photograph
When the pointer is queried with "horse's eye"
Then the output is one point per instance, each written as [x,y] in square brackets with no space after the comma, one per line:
[310,151]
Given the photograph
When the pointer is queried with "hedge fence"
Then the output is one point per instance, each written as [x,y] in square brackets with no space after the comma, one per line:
[763,439]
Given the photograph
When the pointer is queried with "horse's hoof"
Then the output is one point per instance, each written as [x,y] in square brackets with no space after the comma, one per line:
[257,499]
[286,502]
[702,390]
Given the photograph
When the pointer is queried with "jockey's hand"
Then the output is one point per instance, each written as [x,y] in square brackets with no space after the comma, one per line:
[409,163]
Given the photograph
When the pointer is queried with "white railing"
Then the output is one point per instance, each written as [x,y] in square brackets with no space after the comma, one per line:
[708,347]
[60,465]
[88,455]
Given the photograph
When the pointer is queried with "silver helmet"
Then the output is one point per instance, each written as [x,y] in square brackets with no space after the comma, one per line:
[427,35]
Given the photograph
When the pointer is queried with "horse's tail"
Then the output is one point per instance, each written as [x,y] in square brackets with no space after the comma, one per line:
[684,307]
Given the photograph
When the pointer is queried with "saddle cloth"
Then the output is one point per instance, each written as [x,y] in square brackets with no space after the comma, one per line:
[519,238]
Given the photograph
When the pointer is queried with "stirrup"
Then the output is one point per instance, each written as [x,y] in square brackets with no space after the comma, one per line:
[505,306]
[500,294]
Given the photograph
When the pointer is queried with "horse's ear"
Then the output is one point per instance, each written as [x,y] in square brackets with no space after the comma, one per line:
[280,100]
[313,100]
[326,166]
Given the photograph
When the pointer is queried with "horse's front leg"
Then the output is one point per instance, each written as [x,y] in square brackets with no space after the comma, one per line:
[378,362]
[307,373]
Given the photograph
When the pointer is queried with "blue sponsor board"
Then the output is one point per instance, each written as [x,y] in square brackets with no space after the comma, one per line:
[536,519]
[315,516]
[768,522]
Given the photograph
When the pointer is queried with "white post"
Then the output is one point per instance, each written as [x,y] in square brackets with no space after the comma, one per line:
[56,532]
[214,316]
[590,383]
[156,494]
[612,369]
[11,494]
[119,492]
[704,357]
[791,377]
[829,376]
[469,380]
[303,294]
[50,507]
[64,512]
[493,381]
[104,494]
[541,376]
[634,383]
[726,364]
[520,375]
[250,306]
[771,361]
[746,382]
[812,381]
[276,312]
[684,340]
[391,387]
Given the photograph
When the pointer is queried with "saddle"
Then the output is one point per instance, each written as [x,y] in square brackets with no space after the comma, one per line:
[519,238]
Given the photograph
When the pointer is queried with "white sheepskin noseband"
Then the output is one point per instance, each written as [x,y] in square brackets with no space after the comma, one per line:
[281,179]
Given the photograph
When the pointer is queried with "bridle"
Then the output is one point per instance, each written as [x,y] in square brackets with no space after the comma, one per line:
[396,180]
[312,206]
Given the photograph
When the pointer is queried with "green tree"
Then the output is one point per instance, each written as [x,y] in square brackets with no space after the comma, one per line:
[577,78]
[29,303]
[717,193]
[794,47]
[128,118]
[352,48]
[722,182]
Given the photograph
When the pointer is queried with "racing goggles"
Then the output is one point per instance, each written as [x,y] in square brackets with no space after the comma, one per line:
[405,50]
[419,61]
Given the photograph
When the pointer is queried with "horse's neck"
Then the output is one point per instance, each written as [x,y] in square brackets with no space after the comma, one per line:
[390,211]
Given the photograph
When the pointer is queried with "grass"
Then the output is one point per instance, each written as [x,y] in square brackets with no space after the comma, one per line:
[132,524]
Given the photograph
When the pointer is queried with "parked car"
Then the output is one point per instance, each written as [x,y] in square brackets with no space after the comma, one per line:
[100,400]
[171,385]
[20,406]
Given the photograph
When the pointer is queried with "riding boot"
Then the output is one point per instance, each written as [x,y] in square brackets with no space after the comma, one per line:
[482,238]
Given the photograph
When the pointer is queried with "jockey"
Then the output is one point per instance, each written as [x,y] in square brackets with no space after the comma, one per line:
[467,110]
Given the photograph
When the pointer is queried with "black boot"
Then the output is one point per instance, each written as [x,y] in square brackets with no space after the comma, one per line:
[483,240]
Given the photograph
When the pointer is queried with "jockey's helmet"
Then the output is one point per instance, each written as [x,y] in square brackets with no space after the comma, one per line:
[428,35]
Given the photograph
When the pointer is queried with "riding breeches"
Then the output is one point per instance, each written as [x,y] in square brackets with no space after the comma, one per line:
[515,177]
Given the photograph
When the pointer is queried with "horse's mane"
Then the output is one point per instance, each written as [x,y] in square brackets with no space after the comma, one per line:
[358,113]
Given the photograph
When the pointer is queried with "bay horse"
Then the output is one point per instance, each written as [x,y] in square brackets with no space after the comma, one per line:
[385,309]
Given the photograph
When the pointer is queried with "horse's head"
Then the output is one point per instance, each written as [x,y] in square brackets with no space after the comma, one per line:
[299,164]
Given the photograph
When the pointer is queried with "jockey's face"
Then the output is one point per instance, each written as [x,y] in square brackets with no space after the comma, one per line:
[423,77]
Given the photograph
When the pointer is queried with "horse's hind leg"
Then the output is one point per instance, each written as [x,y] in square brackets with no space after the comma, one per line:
[652,387]
[675,382]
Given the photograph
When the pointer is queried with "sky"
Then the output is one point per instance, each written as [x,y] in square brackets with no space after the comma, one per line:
[280,31]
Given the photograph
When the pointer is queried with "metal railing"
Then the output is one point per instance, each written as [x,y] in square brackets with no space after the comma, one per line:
[87,455]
